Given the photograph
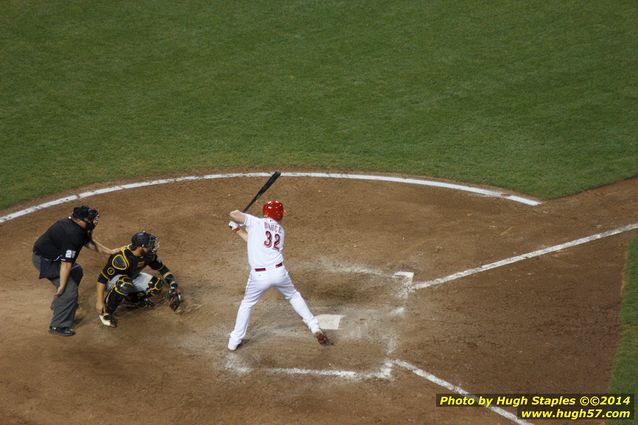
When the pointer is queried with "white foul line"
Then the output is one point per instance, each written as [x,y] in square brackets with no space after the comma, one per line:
[458,390]
[421,182]
[522,257]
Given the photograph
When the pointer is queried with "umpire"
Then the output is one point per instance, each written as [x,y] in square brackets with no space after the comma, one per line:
[54,256]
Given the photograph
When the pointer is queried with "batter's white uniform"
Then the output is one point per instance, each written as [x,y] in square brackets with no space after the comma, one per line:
[265,243]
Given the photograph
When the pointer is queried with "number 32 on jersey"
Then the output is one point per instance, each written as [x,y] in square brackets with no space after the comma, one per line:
[269,243]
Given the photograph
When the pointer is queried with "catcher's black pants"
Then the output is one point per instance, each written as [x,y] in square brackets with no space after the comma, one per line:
[65,305]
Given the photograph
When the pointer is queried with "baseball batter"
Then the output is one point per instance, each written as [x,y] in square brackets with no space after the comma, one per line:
[265,242]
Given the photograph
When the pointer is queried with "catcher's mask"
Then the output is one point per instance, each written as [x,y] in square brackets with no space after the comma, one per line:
[274,209]
[145,240]
[88,215]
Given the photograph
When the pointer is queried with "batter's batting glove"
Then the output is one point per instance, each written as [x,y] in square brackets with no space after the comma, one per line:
[234,226]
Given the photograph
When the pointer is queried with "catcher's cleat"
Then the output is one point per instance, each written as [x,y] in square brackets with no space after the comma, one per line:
[322,338]
[108,320]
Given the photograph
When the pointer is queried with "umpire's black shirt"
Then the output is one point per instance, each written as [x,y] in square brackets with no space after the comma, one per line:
[63,241]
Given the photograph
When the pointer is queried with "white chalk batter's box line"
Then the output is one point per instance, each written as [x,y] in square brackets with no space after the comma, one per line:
[383,373]
[420,182]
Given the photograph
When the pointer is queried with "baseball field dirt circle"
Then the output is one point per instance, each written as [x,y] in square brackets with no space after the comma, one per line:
[365,255]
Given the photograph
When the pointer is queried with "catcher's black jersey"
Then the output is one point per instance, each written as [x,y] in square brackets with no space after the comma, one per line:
[127,263]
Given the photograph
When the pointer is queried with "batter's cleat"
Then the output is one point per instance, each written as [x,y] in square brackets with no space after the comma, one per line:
[108,320]
[233,347]
[61,331]
[322,338]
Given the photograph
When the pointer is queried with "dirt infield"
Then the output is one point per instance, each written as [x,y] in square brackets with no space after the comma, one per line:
[544,325]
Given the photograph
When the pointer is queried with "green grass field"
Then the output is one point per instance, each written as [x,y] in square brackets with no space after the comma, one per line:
[539,97]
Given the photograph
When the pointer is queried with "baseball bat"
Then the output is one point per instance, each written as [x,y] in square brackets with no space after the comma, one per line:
[263,189]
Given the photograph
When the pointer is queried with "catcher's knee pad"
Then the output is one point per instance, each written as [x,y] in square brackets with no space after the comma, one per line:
[154,286]
[114,297]
[124,285]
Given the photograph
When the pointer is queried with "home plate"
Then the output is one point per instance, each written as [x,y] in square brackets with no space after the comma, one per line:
[329,321]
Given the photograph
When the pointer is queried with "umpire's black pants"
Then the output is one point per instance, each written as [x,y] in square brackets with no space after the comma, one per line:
[65,305]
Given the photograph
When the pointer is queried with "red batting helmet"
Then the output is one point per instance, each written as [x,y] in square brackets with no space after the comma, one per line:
[274,209]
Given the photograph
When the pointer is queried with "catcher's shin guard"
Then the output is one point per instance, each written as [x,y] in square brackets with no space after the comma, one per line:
[113,300]
[123,286]
[154,286]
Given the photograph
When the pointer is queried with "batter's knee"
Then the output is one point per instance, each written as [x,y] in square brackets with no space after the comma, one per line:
[292,295]
[247,303]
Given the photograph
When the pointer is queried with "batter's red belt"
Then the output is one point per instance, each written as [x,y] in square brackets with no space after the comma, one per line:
[263,269]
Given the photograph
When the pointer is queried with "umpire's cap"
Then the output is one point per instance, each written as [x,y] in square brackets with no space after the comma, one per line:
[84,213]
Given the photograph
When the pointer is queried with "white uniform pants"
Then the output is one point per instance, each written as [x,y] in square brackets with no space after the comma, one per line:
[260,282]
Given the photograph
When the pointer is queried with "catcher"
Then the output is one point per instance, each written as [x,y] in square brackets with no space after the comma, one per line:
[122,279]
